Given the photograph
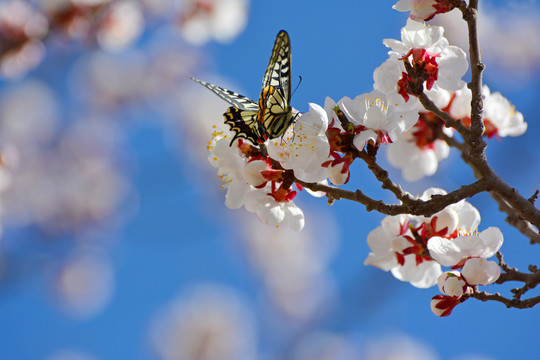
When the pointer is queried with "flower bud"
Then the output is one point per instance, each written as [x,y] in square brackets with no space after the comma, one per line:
[442,305]
[479,271]
[452,284]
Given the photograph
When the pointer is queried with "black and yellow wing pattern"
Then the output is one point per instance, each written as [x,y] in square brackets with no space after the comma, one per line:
[272,115]
[242,116]
[275,112]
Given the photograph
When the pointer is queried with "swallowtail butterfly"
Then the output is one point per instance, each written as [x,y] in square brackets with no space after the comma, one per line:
[272,115]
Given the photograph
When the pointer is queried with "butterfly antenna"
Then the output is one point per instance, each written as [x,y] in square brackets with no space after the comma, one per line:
[297,86]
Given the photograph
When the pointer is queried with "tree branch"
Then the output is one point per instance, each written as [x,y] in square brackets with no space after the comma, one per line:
[477,67]
[518,304]
[414,206]
[449,120]
[513,219]
[382,176]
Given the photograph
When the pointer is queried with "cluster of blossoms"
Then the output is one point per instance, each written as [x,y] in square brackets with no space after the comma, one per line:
[250,180]
[413,248]
[112,25]
[423,53]
[314,149]
[418,151]
[322,144]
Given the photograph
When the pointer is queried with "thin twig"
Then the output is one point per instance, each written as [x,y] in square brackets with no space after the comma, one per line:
[518,304]
[382,176]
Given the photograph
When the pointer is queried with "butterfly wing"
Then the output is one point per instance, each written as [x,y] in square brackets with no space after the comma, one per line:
[275,112]
[278,71]
[244,124]
[242,116]
[238,101]
[270,117]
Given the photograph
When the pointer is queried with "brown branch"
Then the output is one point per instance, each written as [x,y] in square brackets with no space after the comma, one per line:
[477,67]
[530,280]
[473,138]
[523,208]
[414,206]
[502,264]
[511,274]
[453,142]
[382,176]
[518,304]
[449,120]
[534,197]
[516,221]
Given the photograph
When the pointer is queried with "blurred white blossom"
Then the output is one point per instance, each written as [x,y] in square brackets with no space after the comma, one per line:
[123,24]
[21,30]
[294,266]
[205,20]
[84,284]
[209,323]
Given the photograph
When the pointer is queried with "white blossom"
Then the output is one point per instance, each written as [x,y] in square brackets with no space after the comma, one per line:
[459,216]
[451,61]
[449,252]
[272,212]
[500,116]
[252,172]
[417,151]
[306,148]
[230,164]
[339,173]
[416,162]
[379,240]
[479,271]
[423,275]
[400,244]
[382,121]
[383,244]
[420,9]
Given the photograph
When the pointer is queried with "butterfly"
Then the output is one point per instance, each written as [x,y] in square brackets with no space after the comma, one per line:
[272,115]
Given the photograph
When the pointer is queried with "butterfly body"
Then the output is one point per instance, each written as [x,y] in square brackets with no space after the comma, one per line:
[272,115]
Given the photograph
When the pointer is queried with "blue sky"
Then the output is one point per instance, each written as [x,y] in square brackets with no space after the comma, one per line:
[181,235]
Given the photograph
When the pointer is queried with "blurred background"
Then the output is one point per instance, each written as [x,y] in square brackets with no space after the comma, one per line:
[116,243]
